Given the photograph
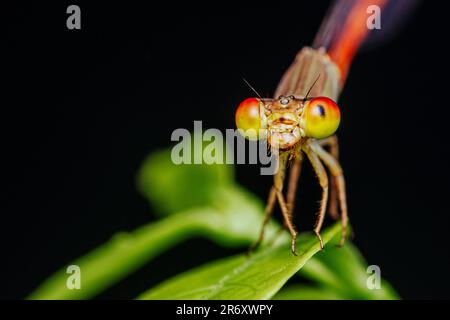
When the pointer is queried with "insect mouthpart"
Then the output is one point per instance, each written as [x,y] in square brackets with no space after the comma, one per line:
[285,121]
[284,130]
[284,140]
[283,118]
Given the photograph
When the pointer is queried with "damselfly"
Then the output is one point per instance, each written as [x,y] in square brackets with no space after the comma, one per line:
[300,122]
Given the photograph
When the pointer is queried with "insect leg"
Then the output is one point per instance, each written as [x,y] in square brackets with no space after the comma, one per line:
[336,170]
[268,213]
[278,184]
[287,219]
[323,180]
[293,183]
[332,143]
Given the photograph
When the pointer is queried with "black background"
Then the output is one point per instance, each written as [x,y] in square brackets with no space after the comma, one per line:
[82,108]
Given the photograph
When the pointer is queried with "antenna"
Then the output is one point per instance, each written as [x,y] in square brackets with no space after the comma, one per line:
[310,88]
[253,89]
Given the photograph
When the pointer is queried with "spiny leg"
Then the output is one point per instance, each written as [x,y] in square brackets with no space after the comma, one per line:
[278,184]
[336,170]
[293,182]
[276,190]
[323,180]
[287,219]
[267,214]
[332,143]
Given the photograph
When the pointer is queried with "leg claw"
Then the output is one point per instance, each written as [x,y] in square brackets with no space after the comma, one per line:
[294,238]
[320,239]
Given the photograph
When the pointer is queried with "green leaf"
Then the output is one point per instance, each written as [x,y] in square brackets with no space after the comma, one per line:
[259,276]
[307,292]
[236,224]
[345,271]
[124,253]
[202,200]
[171,188]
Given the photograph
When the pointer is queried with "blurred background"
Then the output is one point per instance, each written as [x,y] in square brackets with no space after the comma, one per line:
[82,109]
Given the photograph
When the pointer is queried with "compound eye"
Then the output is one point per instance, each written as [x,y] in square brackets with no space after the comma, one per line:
[250,119]
[320,118]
